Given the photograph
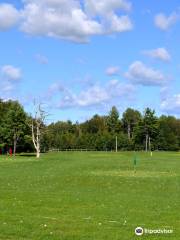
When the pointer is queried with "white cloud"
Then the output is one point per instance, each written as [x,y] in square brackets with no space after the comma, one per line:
[10,72]
[119,24]
[71,20]
[6,86]
[9,76]
[159,53]
[165,22]
[171,104]
[117,89]
[113,70]
[141,74]
[42,59]
[102,7]
[96,95]
[60,19]
[53,89]
[8,16]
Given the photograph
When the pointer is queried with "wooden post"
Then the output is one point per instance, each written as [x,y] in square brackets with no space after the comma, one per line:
[116,144]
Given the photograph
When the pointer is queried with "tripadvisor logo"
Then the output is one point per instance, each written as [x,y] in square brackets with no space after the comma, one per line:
[139,231]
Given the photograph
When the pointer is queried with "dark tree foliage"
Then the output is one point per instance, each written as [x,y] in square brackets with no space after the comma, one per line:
[168,137]
[14,130]
[130,120]
[146,130]
[134,131]
[113,122]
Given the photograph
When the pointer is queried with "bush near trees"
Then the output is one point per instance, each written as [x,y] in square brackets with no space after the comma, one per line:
[14,130]
[134,131]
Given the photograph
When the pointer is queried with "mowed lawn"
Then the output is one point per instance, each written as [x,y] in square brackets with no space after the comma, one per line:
[89,196]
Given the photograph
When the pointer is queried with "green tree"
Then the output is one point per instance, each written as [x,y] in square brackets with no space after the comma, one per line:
[130,119]
[147,129]
[13,123]
[113,122]
[169,132]
[17,123]
[96,124]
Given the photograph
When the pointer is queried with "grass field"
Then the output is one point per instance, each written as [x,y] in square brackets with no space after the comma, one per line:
[89,196]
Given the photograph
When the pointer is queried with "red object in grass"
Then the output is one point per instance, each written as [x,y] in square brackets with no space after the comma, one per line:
[10,152]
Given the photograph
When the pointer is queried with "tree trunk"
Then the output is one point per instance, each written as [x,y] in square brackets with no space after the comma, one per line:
[15,145]
[37,124]
[149,144]
[36,139]
[37,153]
[37,147]
[147,136]
[116,144]
[129,131]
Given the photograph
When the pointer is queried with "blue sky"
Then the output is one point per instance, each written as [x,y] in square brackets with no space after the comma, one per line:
[81,57]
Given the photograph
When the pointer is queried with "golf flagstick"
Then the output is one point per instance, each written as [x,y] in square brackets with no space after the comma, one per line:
[135,162]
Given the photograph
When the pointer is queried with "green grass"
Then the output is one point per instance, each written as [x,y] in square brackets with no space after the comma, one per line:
[89,196]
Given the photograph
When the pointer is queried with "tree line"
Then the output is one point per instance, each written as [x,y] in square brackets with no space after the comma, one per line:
[133,131]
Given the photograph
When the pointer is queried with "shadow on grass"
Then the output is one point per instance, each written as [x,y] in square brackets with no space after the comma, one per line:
[27,155]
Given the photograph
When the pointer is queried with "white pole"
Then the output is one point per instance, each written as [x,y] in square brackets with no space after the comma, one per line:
[150,146]
[116,145]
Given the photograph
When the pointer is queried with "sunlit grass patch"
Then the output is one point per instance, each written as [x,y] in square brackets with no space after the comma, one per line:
[88,195]
[133,173]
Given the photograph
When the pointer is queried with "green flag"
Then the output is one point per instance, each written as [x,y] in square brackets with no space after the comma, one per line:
[135,160]
[135,163]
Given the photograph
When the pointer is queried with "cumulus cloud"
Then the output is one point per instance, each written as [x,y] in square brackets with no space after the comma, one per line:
[73,20]
[8,16]
[112,70]
[165,22]
[105,7]
[118,24]
[96,95]
[159,53]
[54,89]
[107,11]
[171,104]
[60,19]
[141,74]
[9,76]
[10,72]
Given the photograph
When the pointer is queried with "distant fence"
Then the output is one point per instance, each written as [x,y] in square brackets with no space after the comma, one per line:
[78,150]
[95,150]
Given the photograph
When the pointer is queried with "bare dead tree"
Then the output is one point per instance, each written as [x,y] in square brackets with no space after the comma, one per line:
[37,127]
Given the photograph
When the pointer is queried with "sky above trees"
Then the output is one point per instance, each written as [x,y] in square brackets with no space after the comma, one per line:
[82,57]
